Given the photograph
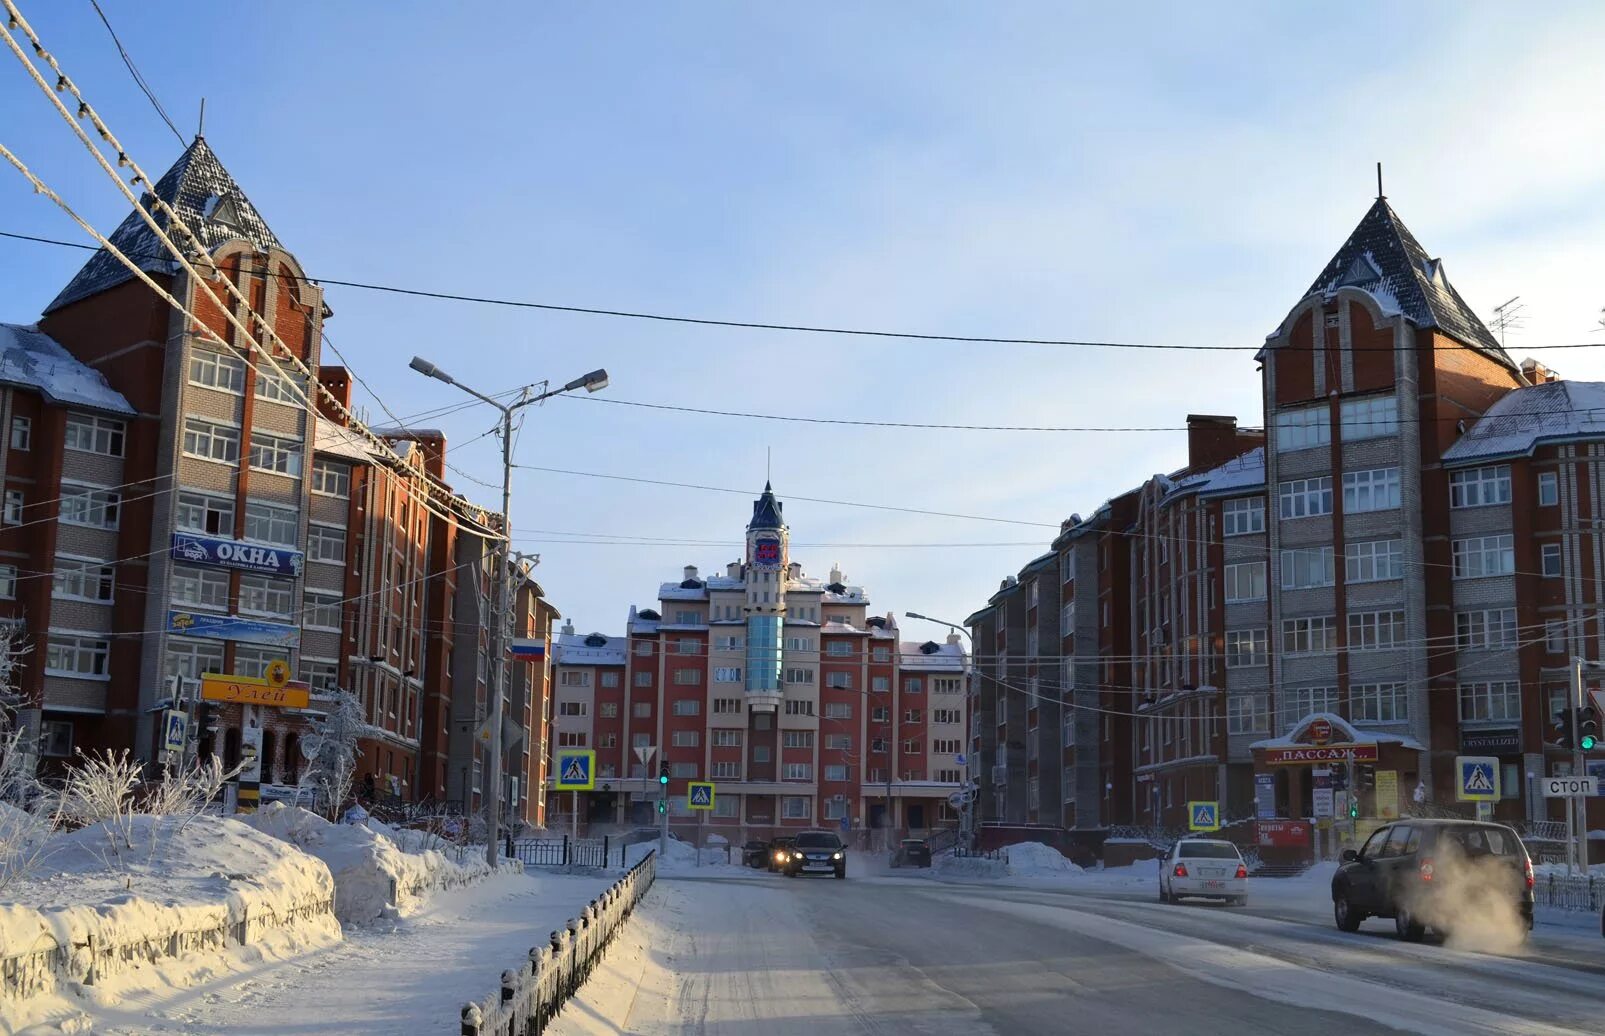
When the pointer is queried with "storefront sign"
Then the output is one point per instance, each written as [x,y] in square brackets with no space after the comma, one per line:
[254,690]
[232,627]
[1282,834]
[252,557]
[1323,754]
[1387,794]
[1319,731]
[1490,742]
[1265,796]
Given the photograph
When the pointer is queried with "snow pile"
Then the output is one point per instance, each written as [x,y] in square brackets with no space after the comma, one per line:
[374,876]
[679,856]
[1035,860]
[946,865]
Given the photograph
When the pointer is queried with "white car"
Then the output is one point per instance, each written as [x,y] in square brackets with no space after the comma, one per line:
[1205,868]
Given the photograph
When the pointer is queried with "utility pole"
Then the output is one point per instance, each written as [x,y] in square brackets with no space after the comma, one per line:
[502,579]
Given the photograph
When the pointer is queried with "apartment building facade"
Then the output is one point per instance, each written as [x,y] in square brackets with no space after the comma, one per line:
[183,508]
[782,688]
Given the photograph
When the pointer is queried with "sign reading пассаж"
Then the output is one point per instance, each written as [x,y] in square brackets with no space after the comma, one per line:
[1326,754]
[252,557]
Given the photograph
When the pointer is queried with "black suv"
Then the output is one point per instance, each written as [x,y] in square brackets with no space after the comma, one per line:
[780,852]
[912,852]
[1431,873]
[817,852]
[755,853]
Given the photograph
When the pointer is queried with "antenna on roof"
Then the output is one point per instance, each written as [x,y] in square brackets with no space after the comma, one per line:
[1380,195]
[200,126]
[768,461]
[1507,317]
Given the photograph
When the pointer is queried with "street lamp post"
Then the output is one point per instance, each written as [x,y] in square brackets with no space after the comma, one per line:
[591,382]
[966,809]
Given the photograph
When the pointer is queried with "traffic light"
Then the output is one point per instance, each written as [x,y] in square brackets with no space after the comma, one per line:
[1563,728]
[206,717]
[1354,807]
[1340,776]
[1365,778]
[1587,728]
[663,807]
[663,775]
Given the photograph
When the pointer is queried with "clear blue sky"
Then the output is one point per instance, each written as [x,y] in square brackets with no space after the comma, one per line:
[1137,173]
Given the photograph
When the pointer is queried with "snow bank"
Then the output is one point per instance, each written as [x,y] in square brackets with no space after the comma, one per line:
[678,857]
[946,865]
[1035,860]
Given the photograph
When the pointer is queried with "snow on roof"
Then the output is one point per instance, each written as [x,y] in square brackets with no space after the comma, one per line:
[949,657]
[32,359]
[840,627]
[847,595]
[205,197]
[1239,473]
[329,437]
[725,583]
[1522,418]
[643,625]
[676,592]
[1342,730]
[581,649]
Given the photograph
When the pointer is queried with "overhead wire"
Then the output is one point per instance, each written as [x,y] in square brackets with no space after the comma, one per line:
[139,80]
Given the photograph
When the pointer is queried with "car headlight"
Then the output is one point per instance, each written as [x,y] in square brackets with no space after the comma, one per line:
[837,856]
[796,856]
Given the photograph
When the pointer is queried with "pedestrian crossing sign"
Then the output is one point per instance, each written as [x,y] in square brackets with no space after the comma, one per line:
[699,795]
[1203,816]
[576,769]
[1478,778]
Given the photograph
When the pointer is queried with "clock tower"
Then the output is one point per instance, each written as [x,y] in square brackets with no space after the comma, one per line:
[764,578]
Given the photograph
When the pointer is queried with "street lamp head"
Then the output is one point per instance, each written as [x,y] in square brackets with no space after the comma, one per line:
[592,382]
[429,370]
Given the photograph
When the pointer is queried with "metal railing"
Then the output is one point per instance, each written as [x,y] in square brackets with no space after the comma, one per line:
[961,853]
[569,852]
[1584,893]
[532,994]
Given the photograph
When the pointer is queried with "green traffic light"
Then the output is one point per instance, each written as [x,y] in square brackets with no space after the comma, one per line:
[663,780]
[1354,812]
[1588,742]
[663,807]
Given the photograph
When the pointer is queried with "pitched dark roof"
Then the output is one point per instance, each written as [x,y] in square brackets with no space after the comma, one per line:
[1384,258]
[766,511]
[208,200]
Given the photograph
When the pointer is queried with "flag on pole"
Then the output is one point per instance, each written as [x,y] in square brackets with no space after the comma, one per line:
[528,650]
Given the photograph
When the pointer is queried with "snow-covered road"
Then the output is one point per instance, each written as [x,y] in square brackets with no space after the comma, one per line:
[410,976]
[738,952]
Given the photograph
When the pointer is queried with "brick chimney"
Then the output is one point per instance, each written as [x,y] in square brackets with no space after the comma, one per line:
[338,381]
[1536,373]
[1211,441]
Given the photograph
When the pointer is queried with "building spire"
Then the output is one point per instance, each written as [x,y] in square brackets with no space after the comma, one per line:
[1380,195]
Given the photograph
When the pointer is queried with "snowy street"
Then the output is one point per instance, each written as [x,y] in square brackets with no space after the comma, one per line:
[746,951]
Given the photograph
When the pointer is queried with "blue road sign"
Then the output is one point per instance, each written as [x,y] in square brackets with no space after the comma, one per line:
[847,824]
[1478,778]
[699,795]
[576,769]
[1203,816]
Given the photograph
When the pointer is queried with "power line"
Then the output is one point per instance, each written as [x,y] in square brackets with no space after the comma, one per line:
[794,328]
[139,80]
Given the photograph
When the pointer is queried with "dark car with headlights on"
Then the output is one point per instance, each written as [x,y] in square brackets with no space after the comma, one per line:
[817,852]
[912,852]
[755,853]
[780,852]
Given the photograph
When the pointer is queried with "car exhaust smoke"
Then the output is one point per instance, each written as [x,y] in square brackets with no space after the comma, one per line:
[1472,899]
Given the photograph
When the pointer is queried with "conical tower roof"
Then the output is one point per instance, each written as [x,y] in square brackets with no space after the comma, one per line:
[1384,258]
[766,511]
[205,197]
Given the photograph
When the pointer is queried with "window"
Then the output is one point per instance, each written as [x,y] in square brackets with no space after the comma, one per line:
[1248,713]
[1369,418]
[839,681]
[608,710]
[877,745]
[81,580]
[8,582]
[912,715]
[1246,648]
[1376,631]
[276,453]
[571,738]
[760,753]
[884,654]
[688,646]
[88,506]
[1376,489]
[839,648]
[799,644]
[14,504]
[796,807]
[879,714]
[326,543]
[284,385]
[1303,428]
[1378,703]
[1373,561]
[913,747]
[1294,704]
[1243,516]
[838,710]
[884,683]
[1550,559]
[946,746]
[839,742]
[947,685]
[610,679]
[796,739]
[268,524]
[799,708]
[200,587]
[1305,497]
[796,675]
[727,739]
[1489,630]
[952,776]
[728,770]
[686,770]
[687,707]
[726,674]
[1477,556]
[188,659]
[835,810]
[319,610]
[212,369]
[640,739]
[21,433]
[265,595]
[947,716]
[1496,701]
[688,677]
[726,706]
[213,515]
[1309,636]
[797,772]
[687,618]
[90,434]
[643,648]
[1245,581]
[843,620]
[1480,487]
[641,710]
[571,708]
[836,772]
[725,643]
[83,657]
[643,679]
[686,738]
[1548,489]
[1306,567]
[330,478]
[209,440]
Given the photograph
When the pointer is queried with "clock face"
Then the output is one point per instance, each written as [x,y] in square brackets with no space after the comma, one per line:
[766,553]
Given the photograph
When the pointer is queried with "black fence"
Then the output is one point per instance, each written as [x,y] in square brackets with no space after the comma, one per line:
[569,852]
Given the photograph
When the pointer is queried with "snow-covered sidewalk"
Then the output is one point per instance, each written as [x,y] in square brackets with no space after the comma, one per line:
[410,976]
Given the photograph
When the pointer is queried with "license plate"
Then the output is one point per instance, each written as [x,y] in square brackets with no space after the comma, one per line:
[1214,884]
[817,867]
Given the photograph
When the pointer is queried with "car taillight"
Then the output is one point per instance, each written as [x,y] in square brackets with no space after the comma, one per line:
[1180,871]
[1242,870]
[1426,869]
[1527,871]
